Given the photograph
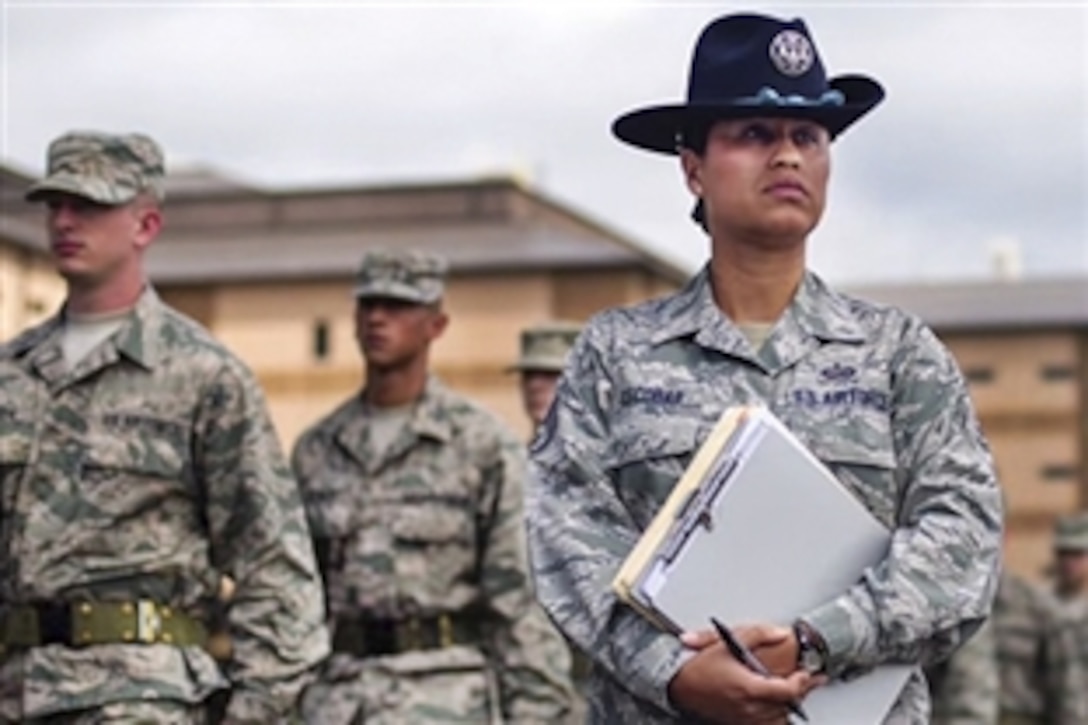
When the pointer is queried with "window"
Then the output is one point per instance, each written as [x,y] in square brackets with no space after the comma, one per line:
[1057,373]
[979,375]
[321,340]
[1059,473]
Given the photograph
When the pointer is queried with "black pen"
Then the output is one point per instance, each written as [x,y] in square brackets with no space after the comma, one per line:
[744,655]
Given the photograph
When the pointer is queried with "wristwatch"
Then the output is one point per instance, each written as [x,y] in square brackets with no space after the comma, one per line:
[811,656]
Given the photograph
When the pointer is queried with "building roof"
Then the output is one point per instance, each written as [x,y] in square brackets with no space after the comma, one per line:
[18,230]
[197,179]
[989,304]
[220,229]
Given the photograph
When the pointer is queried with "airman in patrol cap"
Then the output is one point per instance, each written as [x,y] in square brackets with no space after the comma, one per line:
[1071,554]
[1071,585]
[544,349]
[414,496]
[868,388]
[1041,674]
[147,468]
[966,687]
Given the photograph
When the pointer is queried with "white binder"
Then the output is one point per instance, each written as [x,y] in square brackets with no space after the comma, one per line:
[762,531]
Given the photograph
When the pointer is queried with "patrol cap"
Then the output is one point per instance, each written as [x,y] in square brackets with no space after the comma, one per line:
[545,346]
[401,274]
[1071,532]
[107,169]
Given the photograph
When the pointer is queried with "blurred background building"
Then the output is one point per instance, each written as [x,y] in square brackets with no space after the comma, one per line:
[270,273]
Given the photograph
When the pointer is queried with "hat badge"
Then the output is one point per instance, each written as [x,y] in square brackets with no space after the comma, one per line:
[791,52]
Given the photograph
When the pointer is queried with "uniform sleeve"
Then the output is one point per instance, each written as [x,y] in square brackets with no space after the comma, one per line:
[937,583]
[326,520]
[969,691]
[580,533]
[260,539]
[533,663]
[1064,676]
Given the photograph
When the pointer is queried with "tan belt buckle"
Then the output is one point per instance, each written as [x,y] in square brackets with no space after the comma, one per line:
[148,622]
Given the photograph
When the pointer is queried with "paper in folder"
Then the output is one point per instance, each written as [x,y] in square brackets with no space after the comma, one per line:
[759,530]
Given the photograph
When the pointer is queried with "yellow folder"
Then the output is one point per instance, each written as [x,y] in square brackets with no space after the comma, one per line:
[642,555]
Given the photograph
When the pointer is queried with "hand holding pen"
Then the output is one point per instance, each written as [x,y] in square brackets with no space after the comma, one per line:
[745,656]
[719,688]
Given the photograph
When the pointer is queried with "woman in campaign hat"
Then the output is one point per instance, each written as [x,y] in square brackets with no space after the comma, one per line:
[749,66]
[868,388]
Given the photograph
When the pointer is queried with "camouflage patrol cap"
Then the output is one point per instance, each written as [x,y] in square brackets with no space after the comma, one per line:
[545,346]
[104,168]
[401,274]
[1071,532]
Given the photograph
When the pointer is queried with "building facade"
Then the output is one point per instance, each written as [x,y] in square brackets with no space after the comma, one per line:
[270,274]
[30,290]
[1023,347]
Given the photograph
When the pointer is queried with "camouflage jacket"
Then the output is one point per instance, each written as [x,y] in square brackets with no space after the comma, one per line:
[1041,675]
[434,525]
[144,473]
[966,686]
[868,388]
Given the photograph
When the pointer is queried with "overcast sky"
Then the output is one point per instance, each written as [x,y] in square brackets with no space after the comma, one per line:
[981,143]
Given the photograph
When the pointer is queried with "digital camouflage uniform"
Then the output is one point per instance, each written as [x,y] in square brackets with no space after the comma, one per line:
[544,348]
[868,388]
[127,485]
[1071,535]
[429,529]
[1041,679]
[966,687]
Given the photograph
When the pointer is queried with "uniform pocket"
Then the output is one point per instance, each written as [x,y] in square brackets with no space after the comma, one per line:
[451,685]
[329,504]
[431,524]
[646,458]
[130,491]
[137,457]
[865,464]
[434,551]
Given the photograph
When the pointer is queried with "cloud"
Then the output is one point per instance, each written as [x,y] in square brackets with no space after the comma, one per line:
[983,133]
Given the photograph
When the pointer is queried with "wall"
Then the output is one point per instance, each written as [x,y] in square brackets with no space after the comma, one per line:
[274,328]
[1028,388]
[30,290]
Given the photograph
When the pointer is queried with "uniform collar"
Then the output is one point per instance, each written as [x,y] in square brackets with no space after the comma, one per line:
[816,314]
[138,339]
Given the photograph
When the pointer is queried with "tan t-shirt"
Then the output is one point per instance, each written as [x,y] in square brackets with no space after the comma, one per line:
[83,333]
[756,332]
[386,424]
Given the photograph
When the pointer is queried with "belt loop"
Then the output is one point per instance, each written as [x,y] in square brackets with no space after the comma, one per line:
[415,635]
[445,630]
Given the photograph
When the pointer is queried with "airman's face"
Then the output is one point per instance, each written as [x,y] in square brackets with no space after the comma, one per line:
[91,242]
[537,393]
[1072,570]
[762,178]
[393,333]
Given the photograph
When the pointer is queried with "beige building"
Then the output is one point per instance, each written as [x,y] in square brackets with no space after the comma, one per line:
[29,288]
[270,274]
[1023,346]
